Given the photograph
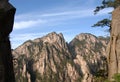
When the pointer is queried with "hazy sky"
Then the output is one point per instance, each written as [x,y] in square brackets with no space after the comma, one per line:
[36,18]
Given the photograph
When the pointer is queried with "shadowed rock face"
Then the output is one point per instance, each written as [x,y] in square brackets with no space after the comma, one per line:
[51,59]
[113,50]
[89,53]
[7,12]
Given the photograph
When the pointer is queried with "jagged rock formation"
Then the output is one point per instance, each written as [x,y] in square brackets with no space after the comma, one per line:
[89,54]
[7,12]
[113,50]
[51,59]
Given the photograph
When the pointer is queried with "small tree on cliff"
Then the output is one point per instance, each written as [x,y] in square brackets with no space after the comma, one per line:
[106,4]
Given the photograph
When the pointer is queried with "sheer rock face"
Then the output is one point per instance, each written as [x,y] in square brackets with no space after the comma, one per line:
[113,50]
[89,53]
[7,12]
[51,59]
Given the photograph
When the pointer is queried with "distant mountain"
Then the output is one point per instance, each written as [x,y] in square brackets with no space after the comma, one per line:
[52,59]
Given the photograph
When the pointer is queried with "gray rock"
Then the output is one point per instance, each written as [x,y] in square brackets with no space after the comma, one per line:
[51,59]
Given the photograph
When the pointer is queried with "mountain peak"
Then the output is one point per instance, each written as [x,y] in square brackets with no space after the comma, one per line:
[51,59]
[88,36]
[53,38]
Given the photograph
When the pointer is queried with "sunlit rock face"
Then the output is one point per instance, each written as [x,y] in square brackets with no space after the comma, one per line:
[52,59]
[89,53]
[113,49]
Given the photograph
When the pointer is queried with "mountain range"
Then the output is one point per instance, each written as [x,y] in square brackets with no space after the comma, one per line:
[51,59]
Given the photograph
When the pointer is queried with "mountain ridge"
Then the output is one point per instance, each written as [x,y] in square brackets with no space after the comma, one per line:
[51,59]
[100,37]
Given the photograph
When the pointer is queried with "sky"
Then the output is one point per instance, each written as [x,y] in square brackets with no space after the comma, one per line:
[36,18]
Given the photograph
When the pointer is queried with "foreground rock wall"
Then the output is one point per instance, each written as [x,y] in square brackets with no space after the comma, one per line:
[7,12]
[113,50]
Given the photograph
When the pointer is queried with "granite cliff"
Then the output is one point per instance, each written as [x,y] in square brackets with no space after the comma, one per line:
[51,59]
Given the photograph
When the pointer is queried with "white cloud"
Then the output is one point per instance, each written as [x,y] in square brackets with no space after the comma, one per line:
[30,20]
[105,11]
[27,24]
[79,13]
[34,19]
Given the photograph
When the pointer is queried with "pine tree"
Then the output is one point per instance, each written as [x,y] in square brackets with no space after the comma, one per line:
[106,4]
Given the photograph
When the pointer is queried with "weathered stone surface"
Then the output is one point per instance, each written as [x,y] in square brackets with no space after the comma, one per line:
[113,50]
[89,52]
[46,59]
[51,59]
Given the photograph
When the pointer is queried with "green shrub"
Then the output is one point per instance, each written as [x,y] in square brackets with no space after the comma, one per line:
[116,77]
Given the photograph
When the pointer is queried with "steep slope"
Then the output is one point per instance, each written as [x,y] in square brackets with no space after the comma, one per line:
[51,59]
[89,54]
[46,59]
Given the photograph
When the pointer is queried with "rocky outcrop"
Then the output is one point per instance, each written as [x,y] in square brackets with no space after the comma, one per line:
[7,12]
[113,50]
[51,59]
[89,54]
